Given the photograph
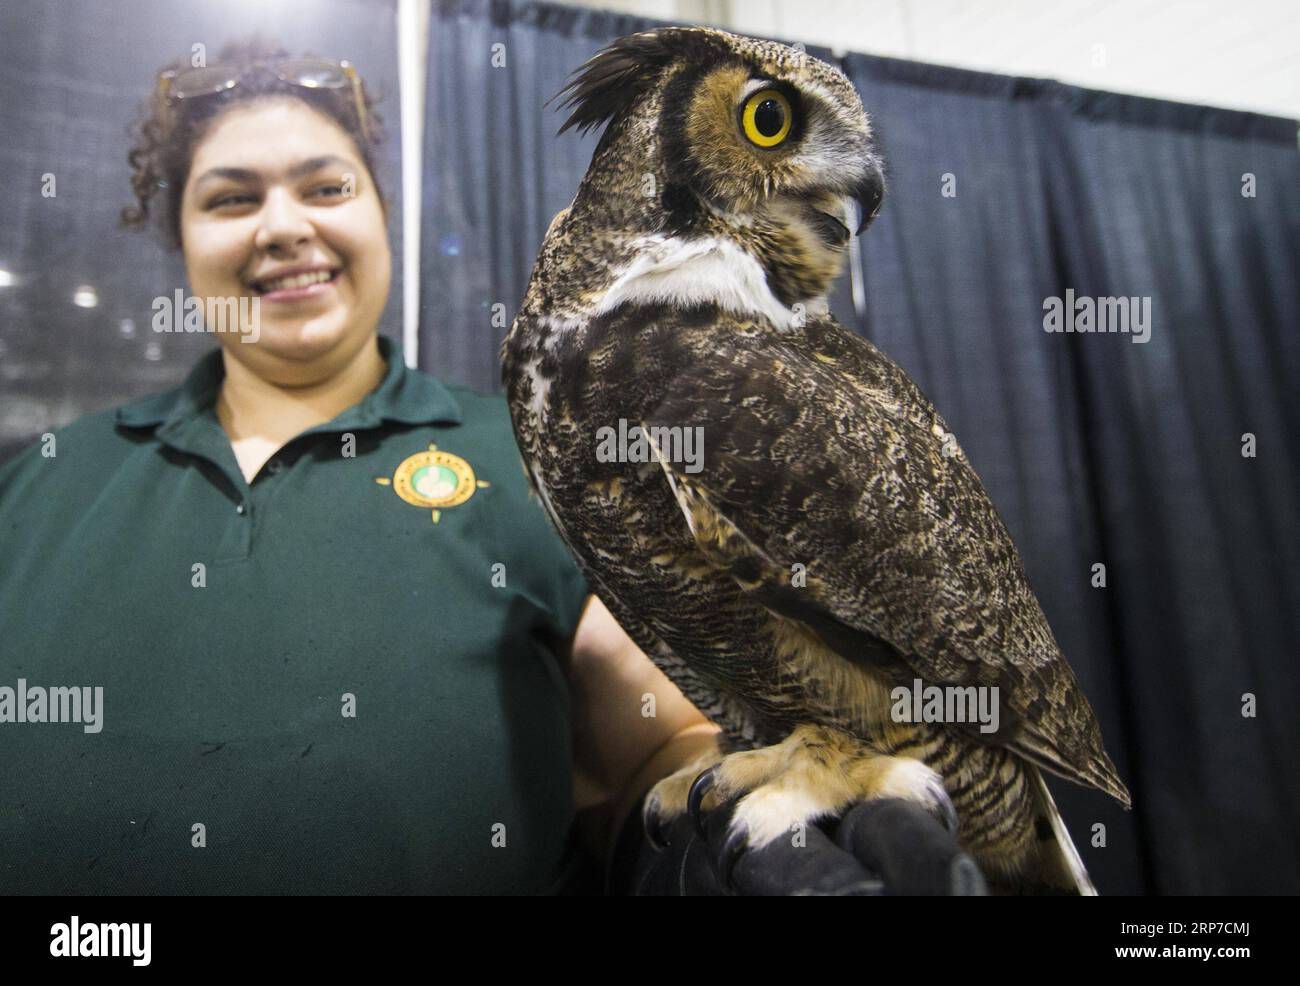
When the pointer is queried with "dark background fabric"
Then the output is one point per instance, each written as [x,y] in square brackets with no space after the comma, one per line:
[1095,449]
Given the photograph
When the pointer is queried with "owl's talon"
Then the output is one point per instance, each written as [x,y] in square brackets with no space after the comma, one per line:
[944,809]
[650,821]
[699,788]
[732,849]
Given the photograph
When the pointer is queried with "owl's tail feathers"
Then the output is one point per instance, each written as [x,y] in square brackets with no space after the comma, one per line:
[1100,771]
[1114,786]
[1092,769]
[1061,865]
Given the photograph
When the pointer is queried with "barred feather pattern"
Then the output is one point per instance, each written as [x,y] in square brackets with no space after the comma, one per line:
[932,590]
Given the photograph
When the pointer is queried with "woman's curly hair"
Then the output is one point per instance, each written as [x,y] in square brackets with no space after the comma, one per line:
[161,160]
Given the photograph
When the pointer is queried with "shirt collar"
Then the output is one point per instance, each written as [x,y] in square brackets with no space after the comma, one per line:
[403,394]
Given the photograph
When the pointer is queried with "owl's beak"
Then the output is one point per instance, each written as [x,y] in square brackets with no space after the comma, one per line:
[869,193]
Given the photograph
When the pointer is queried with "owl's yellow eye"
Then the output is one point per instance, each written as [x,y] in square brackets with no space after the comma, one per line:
[766,118]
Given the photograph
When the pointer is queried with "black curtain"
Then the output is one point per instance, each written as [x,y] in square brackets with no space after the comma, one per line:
[1097,450]
[1102,450]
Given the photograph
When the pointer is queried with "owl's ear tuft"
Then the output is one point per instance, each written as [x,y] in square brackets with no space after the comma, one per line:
[605,86]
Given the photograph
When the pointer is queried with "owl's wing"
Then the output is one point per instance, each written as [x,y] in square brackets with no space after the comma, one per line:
[819,451]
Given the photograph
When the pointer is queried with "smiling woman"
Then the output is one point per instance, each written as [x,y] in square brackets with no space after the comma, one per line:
[339,648]
[265,215]
[272,202]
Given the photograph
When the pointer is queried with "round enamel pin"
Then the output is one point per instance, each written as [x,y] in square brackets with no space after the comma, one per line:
[434,480]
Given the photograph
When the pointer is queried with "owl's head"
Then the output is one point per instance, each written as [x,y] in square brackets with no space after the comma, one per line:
[708,133]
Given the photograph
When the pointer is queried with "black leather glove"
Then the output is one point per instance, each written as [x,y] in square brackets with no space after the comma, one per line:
[887,847]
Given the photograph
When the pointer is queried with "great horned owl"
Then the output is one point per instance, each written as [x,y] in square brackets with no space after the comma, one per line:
[828,543]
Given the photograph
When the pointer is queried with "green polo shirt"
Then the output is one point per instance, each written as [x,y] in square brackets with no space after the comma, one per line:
[342,677]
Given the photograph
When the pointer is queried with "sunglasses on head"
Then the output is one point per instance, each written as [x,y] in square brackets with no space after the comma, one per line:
[310,73]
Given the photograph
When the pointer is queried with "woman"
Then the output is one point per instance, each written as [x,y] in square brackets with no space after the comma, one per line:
[340,648]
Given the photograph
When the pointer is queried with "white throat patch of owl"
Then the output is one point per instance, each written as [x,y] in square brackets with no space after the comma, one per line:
[707,270]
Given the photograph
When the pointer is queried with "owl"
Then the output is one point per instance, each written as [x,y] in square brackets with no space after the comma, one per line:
[769,506]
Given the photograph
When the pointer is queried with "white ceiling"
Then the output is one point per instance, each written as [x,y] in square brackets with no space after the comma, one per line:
[1243,54]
